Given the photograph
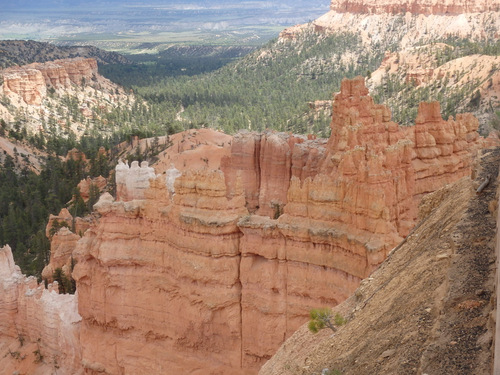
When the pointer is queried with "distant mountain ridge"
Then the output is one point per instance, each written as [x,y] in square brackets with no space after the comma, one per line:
[446,7]
[22,52]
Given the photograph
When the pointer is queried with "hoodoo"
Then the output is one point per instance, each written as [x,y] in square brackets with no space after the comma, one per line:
[209,270]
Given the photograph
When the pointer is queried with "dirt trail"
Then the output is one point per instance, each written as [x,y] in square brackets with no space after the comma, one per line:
[426,310]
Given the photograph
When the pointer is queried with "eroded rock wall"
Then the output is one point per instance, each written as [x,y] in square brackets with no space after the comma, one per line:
[177,275]
[29,84]
[31,81]
[158,281]
[32,314]
[265,163]
[340,222]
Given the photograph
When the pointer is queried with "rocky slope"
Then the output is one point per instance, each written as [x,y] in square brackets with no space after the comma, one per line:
[467,83]
[23,155]
[177,274]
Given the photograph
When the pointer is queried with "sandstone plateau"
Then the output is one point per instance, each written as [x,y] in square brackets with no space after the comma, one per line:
[207,270]
[31,81]
[36,89]
[406,23]
[448,7]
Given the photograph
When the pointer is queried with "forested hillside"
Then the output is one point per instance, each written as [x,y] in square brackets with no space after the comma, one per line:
[269,88]
[28,198]
[459,73]
[21,52]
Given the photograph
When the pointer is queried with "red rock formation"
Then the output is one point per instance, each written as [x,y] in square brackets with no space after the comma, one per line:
[442,147]
[449,7]
[340,223]
[28,83]
[266,163]
[31,81]
[64,218]
[61,248]
[85,185]
[63,73]
[76,155]
[158,281]
[40,317]
[177,277]
[63,241]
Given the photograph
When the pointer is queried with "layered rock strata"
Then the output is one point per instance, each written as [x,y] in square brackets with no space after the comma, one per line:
[158,280]
[340,223]
[178,276]
[449,7]
[32,81]
[32,314]
[405,23]
[64,231]
[68,92]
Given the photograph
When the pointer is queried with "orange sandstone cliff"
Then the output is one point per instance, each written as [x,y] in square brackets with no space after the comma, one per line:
[407,23]
[34,92]
[31,81]
[210,270]
[35,320]
[207,270]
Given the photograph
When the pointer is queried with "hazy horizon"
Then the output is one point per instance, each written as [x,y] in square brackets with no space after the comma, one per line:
[182,22]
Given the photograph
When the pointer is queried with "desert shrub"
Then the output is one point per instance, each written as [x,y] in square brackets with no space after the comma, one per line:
[324,318]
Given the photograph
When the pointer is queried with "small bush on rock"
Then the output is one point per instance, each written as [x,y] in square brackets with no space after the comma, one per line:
[324,318]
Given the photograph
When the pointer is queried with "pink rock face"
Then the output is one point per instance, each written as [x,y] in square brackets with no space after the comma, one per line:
[265,163]
[76,155]
[63,241]
[340,222]
[168,297]
[177,277]
[31,81]
[61,248]
[414,6]
[28,83]
[61,73]
[40,316]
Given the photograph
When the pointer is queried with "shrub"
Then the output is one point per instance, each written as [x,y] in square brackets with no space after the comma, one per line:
[322,318]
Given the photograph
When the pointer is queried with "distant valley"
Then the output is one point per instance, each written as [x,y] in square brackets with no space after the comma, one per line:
[131,27]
